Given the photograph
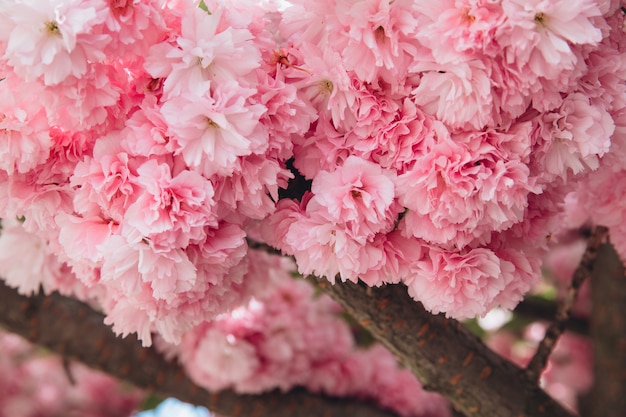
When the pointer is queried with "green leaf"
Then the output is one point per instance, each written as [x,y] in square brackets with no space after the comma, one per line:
[203,6]
[151,402]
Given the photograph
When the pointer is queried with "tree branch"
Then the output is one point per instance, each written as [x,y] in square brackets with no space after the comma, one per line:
[537,308]
[608,331]
[74,330]
[556,328]
[444,355]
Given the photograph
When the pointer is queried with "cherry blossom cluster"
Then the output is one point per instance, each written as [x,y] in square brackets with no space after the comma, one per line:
[434,144]
[448,137]
[37,384]
[286,337]
[139,140]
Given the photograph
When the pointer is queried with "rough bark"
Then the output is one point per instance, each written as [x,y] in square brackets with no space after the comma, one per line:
[608,331]
[445,356]
[74,330]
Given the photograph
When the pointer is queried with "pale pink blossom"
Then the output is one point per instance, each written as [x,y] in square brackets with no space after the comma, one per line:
[206,50]
[135,25]
[462,285]
[55,39]
[377,42]
[145,132]
[221,360]
[105,181]
[327,83]
[171,209]
[573,137]
[81,237]
[85,102]
[326,249]
[251,192]
[26,262]
[322,148]
[458,30]
[458,94]
[358,193]
[24,129]
[212,131]
[287,114]
[394,135]
[463,191]
[542,35]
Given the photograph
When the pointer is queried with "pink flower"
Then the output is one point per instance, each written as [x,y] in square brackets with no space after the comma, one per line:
[145,132]
[212,131]
[458,94]
[377,39]
[85,102]
[208,49]
[81,238]
[328,87]
[460,192]
[54,39]
[574,136]
[326,249]
[26,262]
[458,30]
[394,135]
[251,192]
[287,114]
[169,210]
[136,26]
[462,285]
[105,182]
[358,193]
[24,129]
[542,35]
[220,360]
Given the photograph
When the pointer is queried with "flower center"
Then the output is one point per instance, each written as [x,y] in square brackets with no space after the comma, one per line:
[326,86]
[540,19]
[52,28]
[211,124]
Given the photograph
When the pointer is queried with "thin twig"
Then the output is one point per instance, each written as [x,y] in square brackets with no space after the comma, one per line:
[556,328]
[537,308]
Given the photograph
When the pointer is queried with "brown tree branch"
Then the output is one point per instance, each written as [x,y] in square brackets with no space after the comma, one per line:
[556,328]
[608,331]
[537,308]
[74,330]
[444,355]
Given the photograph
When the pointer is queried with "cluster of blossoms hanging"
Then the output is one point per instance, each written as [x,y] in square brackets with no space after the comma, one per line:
[434,144]
[37,384]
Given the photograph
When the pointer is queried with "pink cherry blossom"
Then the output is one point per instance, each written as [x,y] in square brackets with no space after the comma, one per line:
[461,192]
[460,284]
[377,42]
[24,129]
[27,262]
[359,193]
[202,53]
[53,40]
[212,131]
[459,94]
[170,210]
[574,136]
[542,35]
[458,30]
